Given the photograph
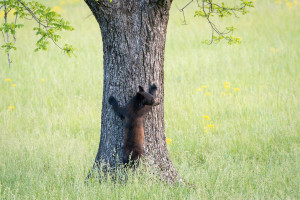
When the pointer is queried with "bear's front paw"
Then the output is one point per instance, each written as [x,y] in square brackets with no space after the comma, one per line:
[153,86]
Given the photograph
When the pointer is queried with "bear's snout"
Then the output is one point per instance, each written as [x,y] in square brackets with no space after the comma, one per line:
[156,102]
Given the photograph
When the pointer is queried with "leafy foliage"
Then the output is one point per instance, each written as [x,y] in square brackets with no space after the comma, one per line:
[209,9]
[49,23]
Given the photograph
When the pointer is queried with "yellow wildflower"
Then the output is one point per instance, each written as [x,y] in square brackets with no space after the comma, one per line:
[7,79]
[296,2]
[198,89]
[14,85]
[211,127]
[226,86]
[58,9]
[205,117]
[10,14]
[42,80]
[272,49]
[236,89]
[11,107]
[203,86]
[168,140]
[208,94]
[289,4]
[226,83]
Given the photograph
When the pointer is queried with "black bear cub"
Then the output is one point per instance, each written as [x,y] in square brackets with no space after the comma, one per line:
[134,112]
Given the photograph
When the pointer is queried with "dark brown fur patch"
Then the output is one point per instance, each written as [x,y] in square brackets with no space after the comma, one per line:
[134,113]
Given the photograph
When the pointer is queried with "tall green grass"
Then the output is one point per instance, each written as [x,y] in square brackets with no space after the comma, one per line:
[249,147]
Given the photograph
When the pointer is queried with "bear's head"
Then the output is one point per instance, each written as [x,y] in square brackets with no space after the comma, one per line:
[144,98]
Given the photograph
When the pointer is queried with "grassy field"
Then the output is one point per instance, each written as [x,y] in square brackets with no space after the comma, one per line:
[232,112]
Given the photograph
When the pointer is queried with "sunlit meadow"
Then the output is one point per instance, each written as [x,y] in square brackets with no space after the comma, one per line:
[231,112]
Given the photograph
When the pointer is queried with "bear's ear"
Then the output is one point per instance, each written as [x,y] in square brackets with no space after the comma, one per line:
[140,96]
[141,89]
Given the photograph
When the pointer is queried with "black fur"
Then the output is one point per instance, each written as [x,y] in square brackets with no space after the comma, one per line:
[118,110]
[134,112]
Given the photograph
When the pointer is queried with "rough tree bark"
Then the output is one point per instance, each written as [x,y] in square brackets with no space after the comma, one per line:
[133,35]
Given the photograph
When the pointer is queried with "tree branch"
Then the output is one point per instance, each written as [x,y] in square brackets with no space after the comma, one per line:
[7,39]
[33,15]
[182,10]
[48,24]
[208,8]
[14,35]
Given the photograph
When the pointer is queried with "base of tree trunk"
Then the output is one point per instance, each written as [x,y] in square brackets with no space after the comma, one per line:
[119,173]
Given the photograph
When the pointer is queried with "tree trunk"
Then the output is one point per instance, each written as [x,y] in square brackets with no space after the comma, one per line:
[134,35]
